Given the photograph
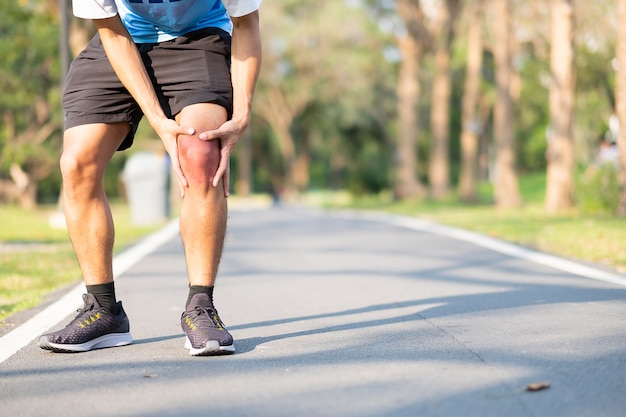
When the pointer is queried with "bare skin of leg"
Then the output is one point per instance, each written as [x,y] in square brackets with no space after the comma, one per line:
[203,212]
[87,150]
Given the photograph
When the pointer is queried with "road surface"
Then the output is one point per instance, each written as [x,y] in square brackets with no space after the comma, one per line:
[336,314]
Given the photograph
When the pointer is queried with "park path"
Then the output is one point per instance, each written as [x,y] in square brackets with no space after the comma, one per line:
[336,314]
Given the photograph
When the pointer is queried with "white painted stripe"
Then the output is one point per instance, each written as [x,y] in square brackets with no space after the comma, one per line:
[495,245]
[66,305]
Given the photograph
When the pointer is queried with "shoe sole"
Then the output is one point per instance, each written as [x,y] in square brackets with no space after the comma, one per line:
[106,341]
[211,348]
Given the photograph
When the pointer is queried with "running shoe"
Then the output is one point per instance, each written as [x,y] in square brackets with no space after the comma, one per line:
[206,334]
[93,327]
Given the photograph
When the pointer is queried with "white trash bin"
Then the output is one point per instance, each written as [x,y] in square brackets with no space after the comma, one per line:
[146,175]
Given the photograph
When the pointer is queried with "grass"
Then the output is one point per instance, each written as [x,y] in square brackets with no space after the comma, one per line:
[599,239]
[48,263]
[36,259]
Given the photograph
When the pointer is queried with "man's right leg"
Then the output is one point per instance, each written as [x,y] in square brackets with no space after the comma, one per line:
[87,150]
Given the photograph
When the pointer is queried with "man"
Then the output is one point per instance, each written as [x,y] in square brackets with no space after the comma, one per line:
[175,62]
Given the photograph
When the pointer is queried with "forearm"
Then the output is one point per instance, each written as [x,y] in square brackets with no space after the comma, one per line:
[127,64]
[245,65]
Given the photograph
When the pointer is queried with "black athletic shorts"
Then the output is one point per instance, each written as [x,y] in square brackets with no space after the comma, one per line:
[193,68]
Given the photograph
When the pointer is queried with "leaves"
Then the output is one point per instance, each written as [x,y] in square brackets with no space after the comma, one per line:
[29,81]
[537,386]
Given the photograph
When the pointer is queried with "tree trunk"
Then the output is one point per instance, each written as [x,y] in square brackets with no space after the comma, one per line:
[288,154]
[439,167]
[560,154]
[407,184]
[25,187]
[301,171]
[620,94]
[506,186]
[273,107]
[470,119]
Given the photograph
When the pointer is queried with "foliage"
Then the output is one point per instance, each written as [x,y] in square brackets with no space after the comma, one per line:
[314,103]
[532,112]
[36,259]
[29,81]
[597,189]
[338,76]
[576,234]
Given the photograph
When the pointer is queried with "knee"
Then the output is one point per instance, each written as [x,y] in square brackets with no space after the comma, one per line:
[199,160]
[69,165]
[76,170]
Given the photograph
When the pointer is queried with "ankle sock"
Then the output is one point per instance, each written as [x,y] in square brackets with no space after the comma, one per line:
[105,294]
[199,289]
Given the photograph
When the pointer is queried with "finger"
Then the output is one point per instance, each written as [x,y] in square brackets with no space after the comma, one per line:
[226,181]
[223,165]
[178,171]
[186,130]
[219,173]
[182,189]
[211,134]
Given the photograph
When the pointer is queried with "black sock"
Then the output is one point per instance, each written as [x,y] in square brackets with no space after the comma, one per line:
[199,289]
[105,294]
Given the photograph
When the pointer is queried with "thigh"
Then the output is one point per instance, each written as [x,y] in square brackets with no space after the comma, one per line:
[88,148]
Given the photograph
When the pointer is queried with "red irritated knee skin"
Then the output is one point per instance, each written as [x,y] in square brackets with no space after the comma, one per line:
[199,161]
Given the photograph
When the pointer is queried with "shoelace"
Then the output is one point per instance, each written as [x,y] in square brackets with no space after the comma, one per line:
[204,313]
[81,312]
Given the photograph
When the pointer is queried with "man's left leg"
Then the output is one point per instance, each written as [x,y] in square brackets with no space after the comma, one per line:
[203,228]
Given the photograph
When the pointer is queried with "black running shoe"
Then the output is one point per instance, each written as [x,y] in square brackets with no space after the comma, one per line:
[93,327]
[206,334]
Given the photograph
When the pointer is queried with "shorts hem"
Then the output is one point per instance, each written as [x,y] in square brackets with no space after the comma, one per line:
[95,118]
[211,98]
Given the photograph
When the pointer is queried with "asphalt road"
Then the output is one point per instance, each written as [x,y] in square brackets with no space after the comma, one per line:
[337,315]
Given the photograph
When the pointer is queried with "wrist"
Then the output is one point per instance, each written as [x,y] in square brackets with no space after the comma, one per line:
[156,119]
[242,119]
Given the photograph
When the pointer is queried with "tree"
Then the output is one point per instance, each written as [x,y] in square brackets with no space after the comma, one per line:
[439,164]
[315,61]
[560,154]
[621,105]
[412,44]
[30,120]
[506,187]
[470,117]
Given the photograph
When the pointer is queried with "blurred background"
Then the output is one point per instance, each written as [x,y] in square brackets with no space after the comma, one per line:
[501,116]
[402,99]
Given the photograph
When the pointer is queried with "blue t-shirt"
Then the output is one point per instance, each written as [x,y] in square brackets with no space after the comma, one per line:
[150,21]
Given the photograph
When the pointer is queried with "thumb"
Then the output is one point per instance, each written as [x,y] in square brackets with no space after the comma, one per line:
[186,130]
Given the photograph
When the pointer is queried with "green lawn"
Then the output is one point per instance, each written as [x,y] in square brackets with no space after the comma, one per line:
[45,261]
[36,258]
[598,239]
[595,239]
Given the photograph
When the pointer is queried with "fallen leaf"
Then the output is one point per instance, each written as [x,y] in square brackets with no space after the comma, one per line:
[537,386]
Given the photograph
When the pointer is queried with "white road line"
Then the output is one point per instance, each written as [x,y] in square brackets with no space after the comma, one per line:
[66,305]
[495,245]
[53,314]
